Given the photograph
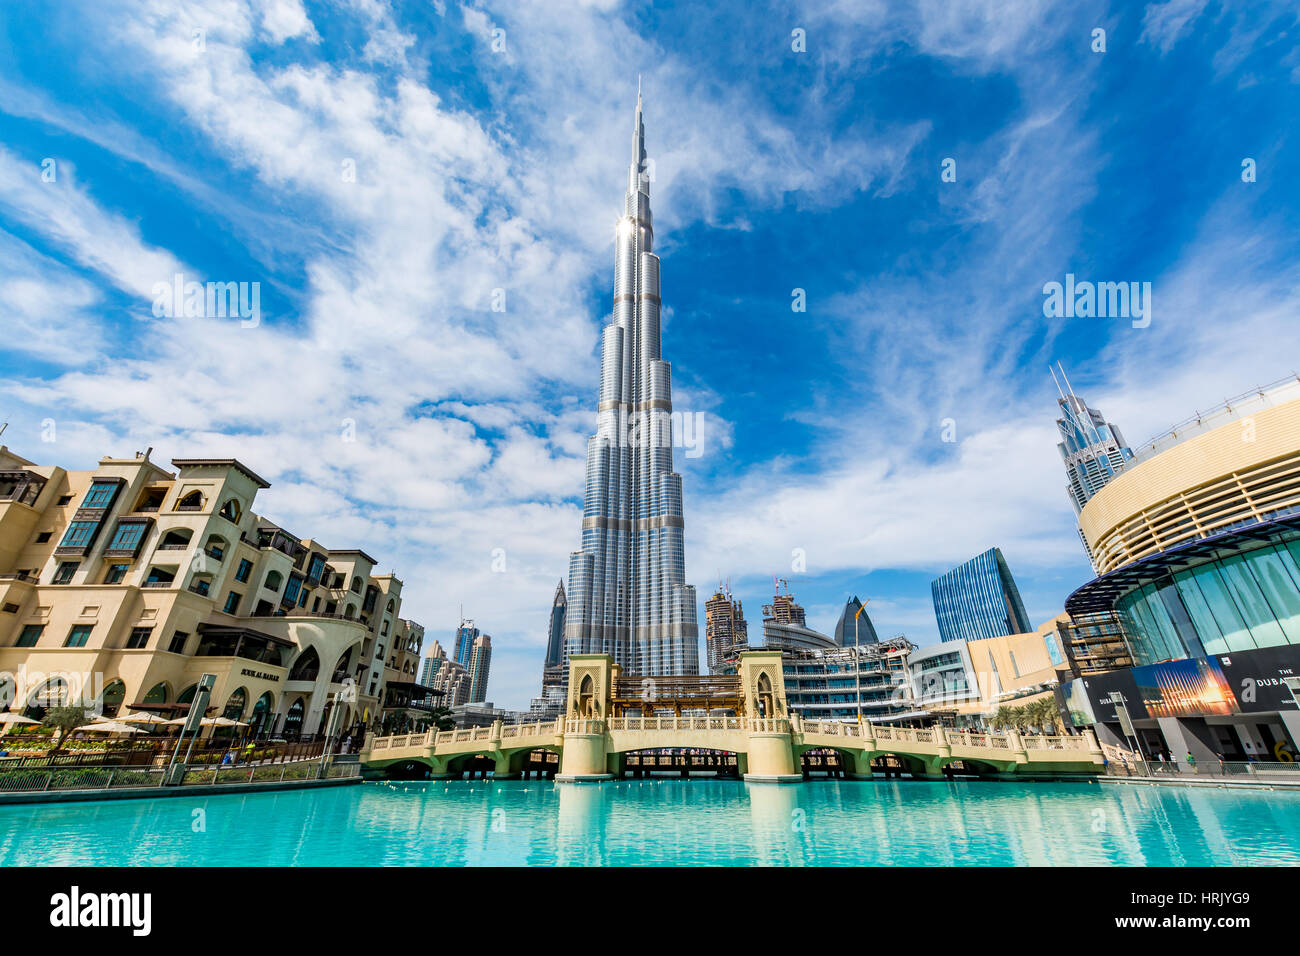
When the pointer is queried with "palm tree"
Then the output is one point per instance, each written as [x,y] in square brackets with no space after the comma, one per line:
[1003,718]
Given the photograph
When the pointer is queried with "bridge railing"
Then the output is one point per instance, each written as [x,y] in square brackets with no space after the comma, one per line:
[676,723]
[1033,742]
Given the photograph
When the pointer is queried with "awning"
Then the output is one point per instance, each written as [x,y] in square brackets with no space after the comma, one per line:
[231,630]
[1100,594]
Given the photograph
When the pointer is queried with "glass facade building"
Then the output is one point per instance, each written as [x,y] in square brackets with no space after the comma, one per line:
[1093,449]
[979,599]
[1235,602]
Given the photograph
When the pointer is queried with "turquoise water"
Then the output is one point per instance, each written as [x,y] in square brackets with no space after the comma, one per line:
[669,822]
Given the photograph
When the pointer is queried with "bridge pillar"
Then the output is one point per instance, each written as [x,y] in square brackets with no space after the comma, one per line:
[771,756]
[859,764]
[501,767]
[584,757]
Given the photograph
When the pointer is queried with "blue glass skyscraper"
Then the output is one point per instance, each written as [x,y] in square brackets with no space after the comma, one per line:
[979,599]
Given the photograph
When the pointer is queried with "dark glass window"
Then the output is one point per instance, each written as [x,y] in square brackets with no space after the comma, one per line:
[139,637]
[78,636]
[241,573]
[100,494]
[232,603]
[78,534]
[65,572]
[116,572]
[127,536]
[30,635]
[177,645]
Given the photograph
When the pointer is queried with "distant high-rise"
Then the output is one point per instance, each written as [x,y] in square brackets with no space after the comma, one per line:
[851,624]
[555,634]
[1092,448]
[726,633]
[979,599]
[480,663]
[466,635]
[628,595]
[447,676]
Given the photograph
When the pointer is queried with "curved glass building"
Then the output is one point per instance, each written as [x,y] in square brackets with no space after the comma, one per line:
[1198,542]
[628,595]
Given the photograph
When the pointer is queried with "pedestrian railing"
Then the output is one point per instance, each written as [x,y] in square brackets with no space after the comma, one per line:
[24,780]
[1248,769]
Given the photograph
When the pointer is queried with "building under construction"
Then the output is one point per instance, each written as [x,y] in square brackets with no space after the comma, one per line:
[726,634]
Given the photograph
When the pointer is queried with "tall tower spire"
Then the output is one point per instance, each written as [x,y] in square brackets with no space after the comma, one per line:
[627,593]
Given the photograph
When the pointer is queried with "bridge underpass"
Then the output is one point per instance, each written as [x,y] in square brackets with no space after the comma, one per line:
[607,725]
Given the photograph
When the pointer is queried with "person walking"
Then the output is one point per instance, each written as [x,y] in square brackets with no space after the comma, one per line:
[1191,762]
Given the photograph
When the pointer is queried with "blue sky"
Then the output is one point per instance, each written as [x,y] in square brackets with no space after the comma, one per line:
[211,139]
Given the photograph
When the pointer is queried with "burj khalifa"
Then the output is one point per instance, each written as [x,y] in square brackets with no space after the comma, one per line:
[628,595]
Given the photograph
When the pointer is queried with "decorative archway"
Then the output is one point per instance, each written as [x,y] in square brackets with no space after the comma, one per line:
[306,667]
[293,717]
[110,701]
[586,696]
[235,705]
[766,700]
[260,719]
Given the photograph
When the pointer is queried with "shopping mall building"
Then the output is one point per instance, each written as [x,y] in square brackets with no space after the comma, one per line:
[1197,548]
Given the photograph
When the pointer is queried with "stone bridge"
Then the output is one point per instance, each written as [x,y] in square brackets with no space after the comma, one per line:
[595,737]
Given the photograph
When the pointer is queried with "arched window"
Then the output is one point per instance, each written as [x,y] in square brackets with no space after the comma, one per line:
[187,695]
[391,605]
[350,611]
[261,716]
[231,510]
[52,693]
[157,694]
[307,666]
[273,581]
[235,705]
[586,697]
[191,502]
[341,669]
[765,699]
[113,696]
[356,585]
[293,718]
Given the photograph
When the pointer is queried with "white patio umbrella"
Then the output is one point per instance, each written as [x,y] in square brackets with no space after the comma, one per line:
[110,727]
[208,722]
[10,717]
[141,717]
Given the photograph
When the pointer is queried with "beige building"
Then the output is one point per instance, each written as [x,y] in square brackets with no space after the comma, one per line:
[119,587]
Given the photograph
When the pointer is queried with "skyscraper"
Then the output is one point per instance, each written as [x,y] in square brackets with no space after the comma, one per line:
[850,623]
[726,633]
[628,595]
[555,633]
[466,634]
[1093,449]
[480,664]
[979,599]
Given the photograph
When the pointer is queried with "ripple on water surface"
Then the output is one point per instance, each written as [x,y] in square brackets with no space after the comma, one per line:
[669,822]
